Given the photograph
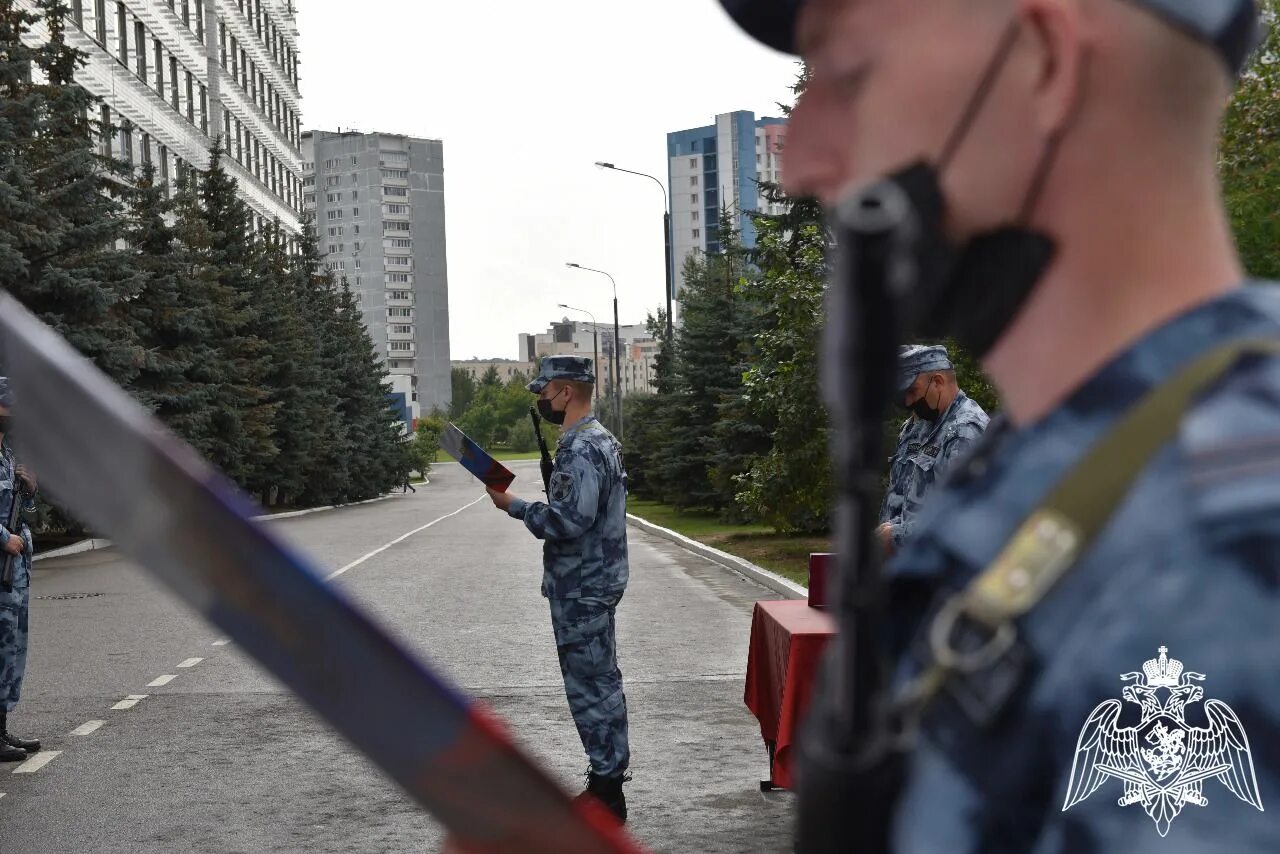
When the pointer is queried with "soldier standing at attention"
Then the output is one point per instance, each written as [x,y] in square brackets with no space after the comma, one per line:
[16,484]
[1047,171]
[944,423]
[583,527]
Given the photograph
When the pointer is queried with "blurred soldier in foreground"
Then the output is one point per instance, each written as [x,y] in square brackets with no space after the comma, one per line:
[1040,178]
[944,423]
[17,493]
[583,526]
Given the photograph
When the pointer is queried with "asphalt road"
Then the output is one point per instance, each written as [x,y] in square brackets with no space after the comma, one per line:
[220,758]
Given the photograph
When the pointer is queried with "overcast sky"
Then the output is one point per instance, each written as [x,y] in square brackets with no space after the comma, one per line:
[527,96]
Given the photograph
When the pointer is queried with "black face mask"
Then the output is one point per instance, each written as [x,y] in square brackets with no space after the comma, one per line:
[554,416]
[971,291]
[920,407]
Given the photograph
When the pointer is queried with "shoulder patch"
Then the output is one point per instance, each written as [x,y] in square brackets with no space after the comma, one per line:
[561,486]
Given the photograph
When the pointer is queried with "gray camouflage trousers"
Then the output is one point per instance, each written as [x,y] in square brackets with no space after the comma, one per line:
[14,606]
[586,640]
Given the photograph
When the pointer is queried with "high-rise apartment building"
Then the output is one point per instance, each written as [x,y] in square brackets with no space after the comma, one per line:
[719,166]
[175,75]
[378,203]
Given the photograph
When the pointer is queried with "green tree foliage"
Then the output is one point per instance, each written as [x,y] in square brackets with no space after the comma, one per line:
[242,346]
[712,345]
[463,387]
[1249,156]
[790,486]
[426,441]
[61,211]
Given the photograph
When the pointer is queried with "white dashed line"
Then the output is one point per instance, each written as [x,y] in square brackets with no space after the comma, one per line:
[191,662]
[35,763]
[1,794]
[161,680]
[402,538]
[128,702]
[87,729]
[222,642]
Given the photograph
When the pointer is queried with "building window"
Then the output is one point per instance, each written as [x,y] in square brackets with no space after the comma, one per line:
[697,232]
[401,243]
[402,330]
[693,198]
[173,80]
[140,49]
[693,163]
[395,191]
[693,180]
[695,216]
[355,212]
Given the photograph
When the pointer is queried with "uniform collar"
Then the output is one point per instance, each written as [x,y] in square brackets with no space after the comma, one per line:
[1012,470]
[937,426]
[576,426]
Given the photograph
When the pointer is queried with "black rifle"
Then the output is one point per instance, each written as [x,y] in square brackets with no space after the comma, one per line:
[852,759]
[542,448]
[13,524]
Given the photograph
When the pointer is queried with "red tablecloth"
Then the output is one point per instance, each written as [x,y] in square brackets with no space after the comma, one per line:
[787,639]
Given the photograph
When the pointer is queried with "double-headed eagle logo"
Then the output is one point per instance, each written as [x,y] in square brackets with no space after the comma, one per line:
[1162,761]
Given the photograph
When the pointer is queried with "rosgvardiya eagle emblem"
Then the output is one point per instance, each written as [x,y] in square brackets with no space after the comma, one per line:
[1162,761]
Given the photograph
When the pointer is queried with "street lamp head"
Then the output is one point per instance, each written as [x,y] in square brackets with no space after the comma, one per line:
[571,264]
[604,165]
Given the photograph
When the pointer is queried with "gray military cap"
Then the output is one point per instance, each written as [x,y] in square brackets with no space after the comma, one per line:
[1229,26]
[917,359]
[6,396]
[572,368]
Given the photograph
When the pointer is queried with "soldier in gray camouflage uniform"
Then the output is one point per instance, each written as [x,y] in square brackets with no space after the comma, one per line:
[16,484]
[944,423]
[583,526]
[1090,128]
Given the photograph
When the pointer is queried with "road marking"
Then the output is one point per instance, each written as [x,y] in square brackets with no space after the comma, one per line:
[191,662]
[1,794]
[161,680]
[87,729]
[35,763]
[402,538]
[222,642]
[128,702]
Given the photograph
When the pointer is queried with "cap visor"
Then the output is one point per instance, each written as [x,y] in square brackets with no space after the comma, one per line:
[538,385]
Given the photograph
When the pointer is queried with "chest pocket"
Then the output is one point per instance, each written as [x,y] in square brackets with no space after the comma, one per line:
[920,473]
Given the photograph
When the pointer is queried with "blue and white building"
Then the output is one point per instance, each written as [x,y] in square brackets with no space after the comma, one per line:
[717,166]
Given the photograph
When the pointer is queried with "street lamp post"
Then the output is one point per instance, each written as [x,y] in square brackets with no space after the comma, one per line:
[595,343]
[617,344]
[666,232]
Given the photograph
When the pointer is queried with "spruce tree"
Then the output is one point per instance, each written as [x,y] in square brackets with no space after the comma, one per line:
[174,317]
[243,415]
[60,202]
[710,351]
[329,471]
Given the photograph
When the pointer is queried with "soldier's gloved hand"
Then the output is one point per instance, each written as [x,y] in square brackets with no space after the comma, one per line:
[28,478]
[15,545]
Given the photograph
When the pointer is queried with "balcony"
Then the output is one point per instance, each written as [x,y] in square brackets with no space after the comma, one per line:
[410,353]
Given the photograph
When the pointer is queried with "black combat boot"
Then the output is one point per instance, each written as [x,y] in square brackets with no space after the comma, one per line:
[608,791]
[25,745]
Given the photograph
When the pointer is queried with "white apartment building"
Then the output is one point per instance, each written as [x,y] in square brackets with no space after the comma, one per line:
[175,75]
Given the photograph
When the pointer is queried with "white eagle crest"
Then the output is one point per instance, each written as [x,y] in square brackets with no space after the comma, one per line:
[1162,761]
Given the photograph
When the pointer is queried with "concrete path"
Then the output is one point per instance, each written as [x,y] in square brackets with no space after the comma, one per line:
[217,757]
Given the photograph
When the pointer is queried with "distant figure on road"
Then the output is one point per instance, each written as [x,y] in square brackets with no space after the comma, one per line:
[944,422]
[408,487]
[16,484]
[584,556]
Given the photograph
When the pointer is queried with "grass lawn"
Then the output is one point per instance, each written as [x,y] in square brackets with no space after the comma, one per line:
[442,457]
[785,554]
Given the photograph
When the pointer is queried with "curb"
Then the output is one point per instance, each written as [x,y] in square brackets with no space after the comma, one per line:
[95,545]
[74,549]
[743,567]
